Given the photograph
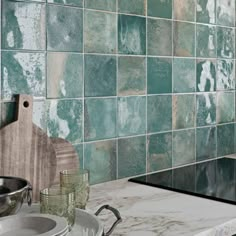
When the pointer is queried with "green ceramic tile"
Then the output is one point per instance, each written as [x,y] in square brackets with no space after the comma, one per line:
[184,10]
[100,75]
[159,113]
[206,109]
[64,75]
[159,46]
[39,114]
[159,151]
[79,150]
[225,42]
[65,119]
[206,75]
[106,5]
[184,39]
[225,12]
[206,143]
[64,29]
[181,140]
[137,7]
[131,156]
[225,74]
[159,75]
[184,75]
[160,8]
[77,3]
[225,139]
[100,118]
[100,32]
[100,160]
[225,107]
[206,11]
[131,75]
[131,115]
[183,111]
[131,35]
[23,73]
[23,25]
[206,41]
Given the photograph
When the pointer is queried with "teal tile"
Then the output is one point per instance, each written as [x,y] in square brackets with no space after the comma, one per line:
[137,7]
[206,143]
[206,11]
[206,109]
[159,113]
[100,75]
[184,10]
[181,154]
[131,35]
[106,5]
[159,46]
[206,75]
[100,156]
[206,41]
[184,75]
[100,32]
[39,114]
[184,39]
[183,111]
[225,139]
[159,75]
[65,119]
[131,75]
[225,107]
[160,8]
[131,156]
[159,151]
[64,29]
[64,75]
[77,3]
[80,152]
[23,25]
[131,115]
[23,73]
[225,12]
[100,118]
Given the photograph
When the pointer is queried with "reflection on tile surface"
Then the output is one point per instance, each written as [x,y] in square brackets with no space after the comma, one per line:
[205,11]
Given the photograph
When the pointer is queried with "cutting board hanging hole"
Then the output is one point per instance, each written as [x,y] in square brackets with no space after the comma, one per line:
[26,104]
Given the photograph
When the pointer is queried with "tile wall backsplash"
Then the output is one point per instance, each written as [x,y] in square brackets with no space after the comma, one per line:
[135,85]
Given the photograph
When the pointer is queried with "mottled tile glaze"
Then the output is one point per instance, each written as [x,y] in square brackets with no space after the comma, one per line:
[100,32]
[100,156]
[160,8]
[137,7]
[131,115]
[184,75]
[131,156]
[225,12]
[39,114]
[100,75]
[131,75]
[79,148]
[206,11]
[78,3]
[184,10]
[159,46]
[107,5]
[64,75]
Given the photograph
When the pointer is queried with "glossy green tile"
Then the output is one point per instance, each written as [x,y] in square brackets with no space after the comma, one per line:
[65,119]
[23,25]
[206,41]
[100,32]
[225,107]
[159,151]
[77,3]
[184,39]
[181,140]
[131,75]
[184,10]
[183,111]
[39,114]
[23,73]
[159,113]
[225,12]
[159,46]
[80,152]
[64,75]
[137,7]
[206,75]
[206,143]
[100,118]
[206,11]
[131,115]
[106,5]
[64,29]
[100,75]
[184,75]
[160,8]
[131,35]
[131,156]
[206,109]
[159,75]
[100,156]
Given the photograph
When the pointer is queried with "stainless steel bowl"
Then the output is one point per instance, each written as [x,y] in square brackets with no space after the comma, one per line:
[13,192]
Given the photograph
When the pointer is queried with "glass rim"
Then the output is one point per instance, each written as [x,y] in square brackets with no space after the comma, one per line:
[58,193]
[74,171]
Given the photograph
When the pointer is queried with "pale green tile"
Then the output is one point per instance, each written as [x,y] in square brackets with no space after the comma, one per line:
[184,10]
[106,5]
[80,152]
[225,12]
[137,7]
[160,8]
